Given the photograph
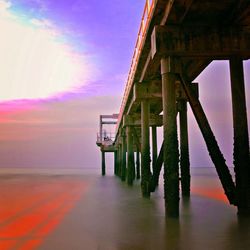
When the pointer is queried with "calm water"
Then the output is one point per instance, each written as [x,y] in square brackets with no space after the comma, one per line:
[82,210]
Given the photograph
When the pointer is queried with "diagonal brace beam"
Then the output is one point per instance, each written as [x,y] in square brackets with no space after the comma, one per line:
[158,167]
[212,145]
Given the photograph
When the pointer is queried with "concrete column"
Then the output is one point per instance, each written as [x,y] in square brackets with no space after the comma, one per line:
[103,163]
[184,149]
[123,165]
[130,156]
[145,150]
[138,174]
[154,147]
[241,139]
[170,153]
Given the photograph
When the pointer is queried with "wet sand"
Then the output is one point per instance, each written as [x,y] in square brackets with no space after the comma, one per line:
[87,211]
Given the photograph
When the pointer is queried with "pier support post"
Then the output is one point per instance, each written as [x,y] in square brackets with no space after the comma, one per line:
[138,172]
[154,147]
[134,163]
[158,167]
[130,156]
[145,149]
[138,146]
[103,163]
[100,129]
[123,167]
[184,149]
[115,162]
[120,160]
[170,155]
[241,139]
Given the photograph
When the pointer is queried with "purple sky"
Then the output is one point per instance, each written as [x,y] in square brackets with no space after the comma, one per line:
[60,130]
[104,31]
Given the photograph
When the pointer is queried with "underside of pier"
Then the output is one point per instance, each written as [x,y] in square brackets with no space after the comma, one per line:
[176,42]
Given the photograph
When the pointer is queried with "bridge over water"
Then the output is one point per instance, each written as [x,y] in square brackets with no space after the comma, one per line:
[177,40]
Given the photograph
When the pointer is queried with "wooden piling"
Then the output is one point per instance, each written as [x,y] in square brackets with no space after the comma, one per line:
[133,165]
[184,149]
[123,165]
[171,155]
[130,156]
[158,167]
[154,147]
[103,163]
[241,139]
[145,149]
[138,146]
[115,162]
[120,161]
[138,174]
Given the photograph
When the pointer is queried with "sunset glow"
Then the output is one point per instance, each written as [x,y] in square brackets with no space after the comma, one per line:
[35,62]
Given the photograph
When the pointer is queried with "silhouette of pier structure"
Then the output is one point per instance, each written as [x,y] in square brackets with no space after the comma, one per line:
[105,140]
[177,40]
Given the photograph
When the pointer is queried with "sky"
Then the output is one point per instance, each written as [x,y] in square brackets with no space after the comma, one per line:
[63,63]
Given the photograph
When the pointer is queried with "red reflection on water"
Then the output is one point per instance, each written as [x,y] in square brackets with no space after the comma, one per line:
[7,244]
[213,193]
[30,244]
[52,224]
[29,213]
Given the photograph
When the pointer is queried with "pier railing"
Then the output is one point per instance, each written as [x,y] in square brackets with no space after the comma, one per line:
[105,138]
[146,17]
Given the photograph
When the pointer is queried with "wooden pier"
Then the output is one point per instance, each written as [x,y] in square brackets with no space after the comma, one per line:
[177,40]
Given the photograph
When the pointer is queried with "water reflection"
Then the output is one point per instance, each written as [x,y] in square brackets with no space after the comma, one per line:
[91,212]
[239,234]
[31,208]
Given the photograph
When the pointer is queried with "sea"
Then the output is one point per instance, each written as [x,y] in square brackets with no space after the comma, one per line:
[78,209]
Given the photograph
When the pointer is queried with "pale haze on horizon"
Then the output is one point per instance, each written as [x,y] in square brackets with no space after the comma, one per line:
[66,62]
